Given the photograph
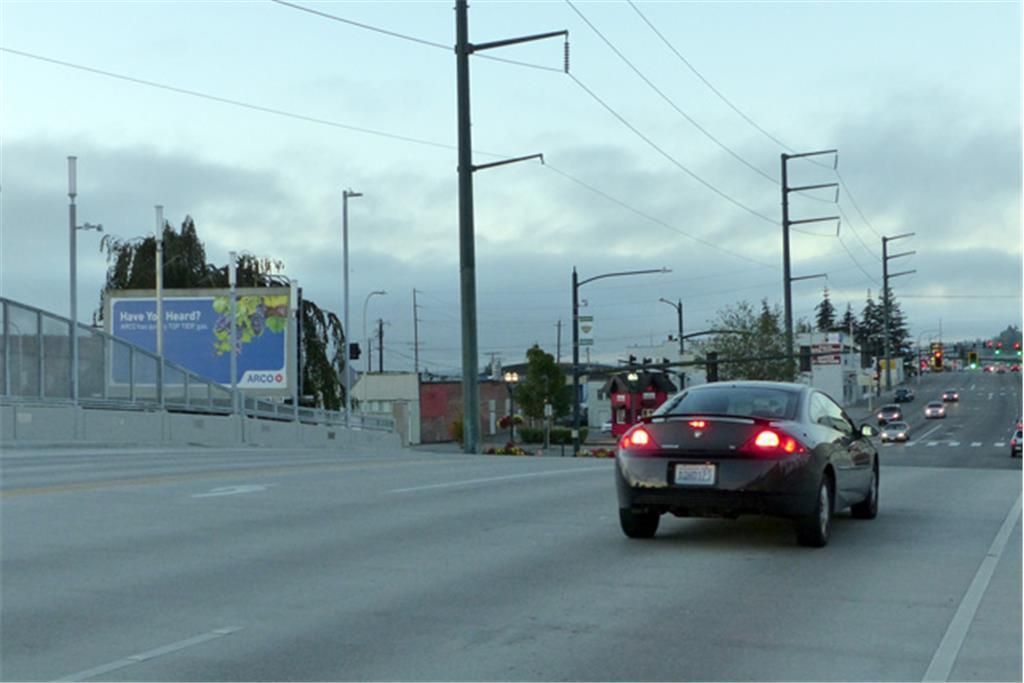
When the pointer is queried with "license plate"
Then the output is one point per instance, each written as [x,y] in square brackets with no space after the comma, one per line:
[695,475]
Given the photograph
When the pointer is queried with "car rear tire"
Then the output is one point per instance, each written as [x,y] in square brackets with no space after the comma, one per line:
[814,529]
[639,524]
[868,508]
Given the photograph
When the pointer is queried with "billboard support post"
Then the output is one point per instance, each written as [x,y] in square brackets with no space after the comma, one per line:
[233,338]
[294,301]
[159,238]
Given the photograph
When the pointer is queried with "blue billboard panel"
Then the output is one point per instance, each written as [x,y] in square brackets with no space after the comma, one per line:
[197,336]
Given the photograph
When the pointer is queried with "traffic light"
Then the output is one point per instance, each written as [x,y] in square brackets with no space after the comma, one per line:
[999,348]
[353,351]
[1016,345]
[972,359]
[712,367]
[937,356]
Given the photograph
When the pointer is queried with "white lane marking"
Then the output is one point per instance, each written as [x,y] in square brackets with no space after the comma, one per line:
[975,444]
[150,654]
[932,444]
[465,482]
[949,648]
[954,444]
[1000,444]
[972,386]
[231,490]
[930,431]
[990,395]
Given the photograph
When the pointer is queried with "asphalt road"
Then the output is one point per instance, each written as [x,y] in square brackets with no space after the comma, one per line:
[301,565]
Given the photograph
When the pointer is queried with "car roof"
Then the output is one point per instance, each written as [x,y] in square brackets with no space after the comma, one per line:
[935,403]
[754,384]
[891,406]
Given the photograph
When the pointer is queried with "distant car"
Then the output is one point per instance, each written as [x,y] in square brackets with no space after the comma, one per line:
[896,431]
[1020,423]
[1001,370]
[934,409]
[1015,444]
[903,395]
[989,368]
[951,395]
[1014,368]
[888,413]
[728,449]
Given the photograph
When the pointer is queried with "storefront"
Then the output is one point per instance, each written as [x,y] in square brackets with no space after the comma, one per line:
[635,395]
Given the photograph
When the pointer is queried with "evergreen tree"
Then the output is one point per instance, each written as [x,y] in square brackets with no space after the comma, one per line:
[544,383]
[849,321]
[826,314]
[871,326]
[899,337]
[132,265]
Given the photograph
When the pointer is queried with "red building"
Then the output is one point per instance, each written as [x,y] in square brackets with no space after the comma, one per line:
[634,395]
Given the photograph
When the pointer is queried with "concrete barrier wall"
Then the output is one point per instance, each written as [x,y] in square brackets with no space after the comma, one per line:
[22,425]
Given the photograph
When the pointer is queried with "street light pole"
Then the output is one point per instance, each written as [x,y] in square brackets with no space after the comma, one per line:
[72,193]
[233,365]
[159,281]
[348,360]
[73,229]
[576,284]
[679,312]
[367,339]
[511,378]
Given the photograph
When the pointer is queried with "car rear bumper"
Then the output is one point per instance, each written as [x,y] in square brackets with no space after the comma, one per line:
[786,487]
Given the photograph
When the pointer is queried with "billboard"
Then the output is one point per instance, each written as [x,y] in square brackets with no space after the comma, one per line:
[197,330]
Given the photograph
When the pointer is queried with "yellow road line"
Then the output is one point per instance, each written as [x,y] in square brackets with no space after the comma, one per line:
[212,474]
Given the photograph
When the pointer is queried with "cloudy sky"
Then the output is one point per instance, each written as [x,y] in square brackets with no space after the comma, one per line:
[922,100]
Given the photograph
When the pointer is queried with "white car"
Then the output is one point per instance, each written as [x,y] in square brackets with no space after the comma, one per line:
[934,409]
[896,431]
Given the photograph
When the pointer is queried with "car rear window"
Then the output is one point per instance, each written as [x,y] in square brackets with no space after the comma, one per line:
[891,408]
[935,404]
[733,400]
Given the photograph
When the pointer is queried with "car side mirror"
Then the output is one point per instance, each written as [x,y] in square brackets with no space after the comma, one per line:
[868,430]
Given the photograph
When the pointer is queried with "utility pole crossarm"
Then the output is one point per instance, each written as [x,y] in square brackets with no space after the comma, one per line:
[905,253]
[813,154]
[814,220]
[808,277]
[477,47]
[509,161]
[811,187]
[905,272]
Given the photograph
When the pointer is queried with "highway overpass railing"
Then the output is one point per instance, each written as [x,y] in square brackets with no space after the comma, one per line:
[35,366]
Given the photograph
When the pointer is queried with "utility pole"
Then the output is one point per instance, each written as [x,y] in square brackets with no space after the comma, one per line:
[886,293]
[345,194]
[467,248]
[380,345]
[787,278]
[415,336]
[558,342]
[233,335]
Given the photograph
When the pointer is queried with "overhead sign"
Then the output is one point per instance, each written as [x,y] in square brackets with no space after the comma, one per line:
[586,323]
[832,352]
[197,330]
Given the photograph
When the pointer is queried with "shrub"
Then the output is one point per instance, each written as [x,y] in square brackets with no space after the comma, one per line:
[559,435]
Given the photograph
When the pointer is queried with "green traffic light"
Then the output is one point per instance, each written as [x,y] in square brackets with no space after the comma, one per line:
[974,366]
[998,351]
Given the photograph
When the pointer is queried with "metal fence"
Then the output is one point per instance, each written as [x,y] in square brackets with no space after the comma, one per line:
[35,366]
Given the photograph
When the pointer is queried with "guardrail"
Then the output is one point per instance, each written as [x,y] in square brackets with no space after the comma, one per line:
[35,366]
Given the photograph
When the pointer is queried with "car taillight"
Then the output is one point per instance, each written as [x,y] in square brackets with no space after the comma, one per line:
[769,441]
[637,438]
[698,424]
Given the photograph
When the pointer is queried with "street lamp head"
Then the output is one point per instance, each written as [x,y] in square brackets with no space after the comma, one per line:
[350,193]
[632,376]
[511,377]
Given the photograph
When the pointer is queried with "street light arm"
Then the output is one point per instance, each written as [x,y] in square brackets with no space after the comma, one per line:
[650,271]
[673,304]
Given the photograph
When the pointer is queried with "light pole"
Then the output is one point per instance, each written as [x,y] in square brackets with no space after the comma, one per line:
[919,353]
[511,379]
[679,312]
[72,230]
[576,284]
[348,359]
[381,292]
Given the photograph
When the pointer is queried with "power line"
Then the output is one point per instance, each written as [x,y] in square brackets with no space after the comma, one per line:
[706,81]
[668,156]
[855,234]
[667,99]
[850,254]
[357,129]
[855,205]
[403,36]
[658,221]
[237,103]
